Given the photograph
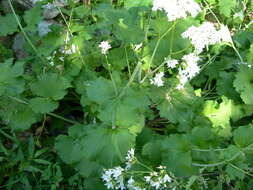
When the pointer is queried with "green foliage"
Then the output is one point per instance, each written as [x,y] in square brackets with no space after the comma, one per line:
[88,156]
[242,135]
[32,17]
[43,105]
[70,112]
[243,84]
[50,85]
[11,82]
[226,7]
[9,25]
[219,115]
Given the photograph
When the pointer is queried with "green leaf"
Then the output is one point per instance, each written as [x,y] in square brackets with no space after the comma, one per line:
[100,90]
[9,25]
[226,7]
[235,172]
[243,84]
[219,115]
[243,135]
[23,119]
[88,154]
[152,150]
[133,3]
[225,85]
[50,85]
[250,55]
[177,106]
[43,105]
[176,155]
[32,17]
[111,147]
[11,82]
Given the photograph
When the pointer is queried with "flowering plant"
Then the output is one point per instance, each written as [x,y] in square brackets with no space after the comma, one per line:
[152,94]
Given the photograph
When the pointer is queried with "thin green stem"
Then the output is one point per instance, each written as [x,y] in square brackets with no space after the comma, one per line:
[172,39]
[51,114]
[225,161]
[143,165]
[131,79]
[62,118]
[237,52]
[110,73]
[208,150]
[152,72]
[241,170]
[24,33]
[70,32]
[127,60]
[211,11]
[155,50]
[146,31]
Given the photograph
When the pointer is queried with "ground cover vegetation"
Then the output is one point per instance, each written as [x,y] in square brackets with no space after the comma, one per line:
[126,94]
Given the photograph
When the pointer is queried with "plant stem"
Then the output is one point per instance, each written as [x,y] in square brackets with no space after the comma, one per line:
[208,150]
[241,170]
[131,79]
[24,33]
[127,60]
[143,165]
[70,32]
[110,73]
[51,114]
[155,50]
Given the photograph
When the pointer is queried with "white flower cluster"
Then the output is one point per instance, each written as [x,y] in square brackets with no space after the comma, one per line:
[206,34]
[176,9]
[113,178]
[51,58]
[68,49]
[171,63]
[190,70]
[157,80]
[159,180]
[117,177]
[130,159]
[131,185]
[105,46]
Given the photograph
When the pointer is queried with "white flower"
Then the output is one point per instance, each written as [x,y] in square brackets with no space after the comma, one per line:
[171,63]
[206,34]
[117,171]
[113,178]
[192,64]
[157,80]
[69,50]
[137,47]
[107,178]
[130,158]
[191,69]
[61,58]
[158,180]
[202,36]
[176,9]
[105,46]
[130,182]
[166,178]
[225,34]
